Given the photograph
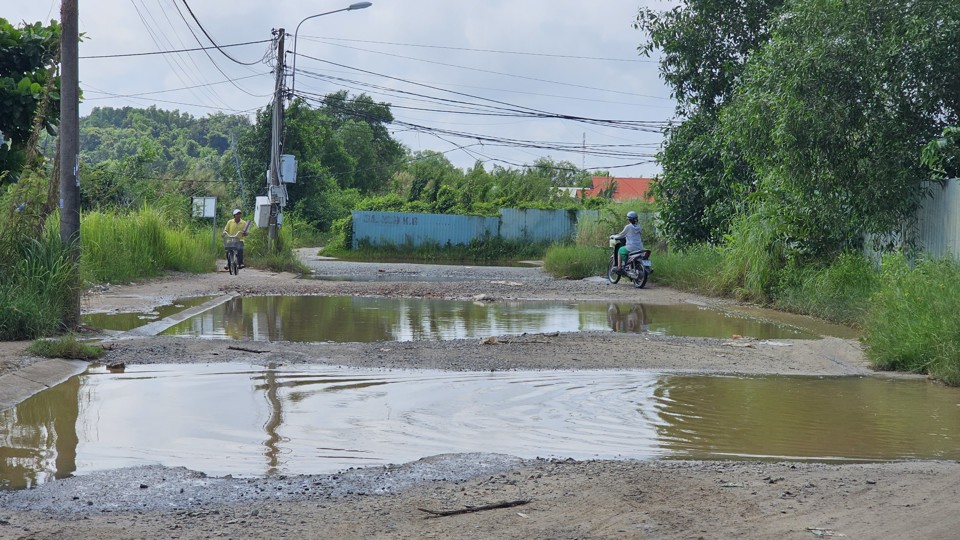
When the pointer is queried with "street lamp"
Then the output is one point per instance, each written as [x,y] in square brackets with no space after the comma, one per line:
[351,7]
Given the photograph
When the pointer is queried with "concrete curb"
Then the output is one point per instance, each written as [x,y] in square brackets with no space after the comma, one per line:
[21,384]
[156,327]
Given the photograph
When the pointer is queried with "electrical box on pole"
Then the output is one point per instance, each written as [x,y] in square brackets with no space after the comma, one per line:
[288,169]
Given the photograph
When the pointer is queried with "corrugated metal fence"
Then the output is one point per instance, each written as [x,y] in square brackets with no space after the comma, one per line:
[399,229]
[938,221]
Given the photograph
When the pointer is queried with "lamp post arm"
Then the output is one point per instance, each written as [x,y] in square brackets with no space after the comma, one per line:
[351,7]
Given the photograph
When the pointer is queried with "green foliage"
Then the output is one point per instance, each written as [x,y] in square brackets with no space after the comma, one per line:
[704,182]
[942,154]
[833,112]
[482,250]
[705,44]
[68,347]
[753,255]
[913,319]
[27,54]
[837,292]
[133,156]
[280,259]
[38,283]
[696,268]
[118,248]
[575,262]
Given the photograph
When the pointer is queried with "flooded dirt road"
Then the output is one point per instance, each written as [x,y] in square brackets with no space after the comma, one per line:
[548,498]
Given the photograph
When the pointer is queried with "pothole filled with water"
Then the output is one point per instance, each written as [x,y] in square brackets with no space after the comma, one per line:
[252,420]
[128,321]
[365,319]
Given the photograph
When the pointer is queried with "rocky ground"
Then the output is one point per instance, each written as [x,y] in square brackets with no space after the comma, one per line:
[489,496]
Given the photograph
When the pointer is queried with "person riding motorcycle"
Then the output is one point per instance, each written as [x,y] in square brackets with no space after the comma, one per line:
[630,233]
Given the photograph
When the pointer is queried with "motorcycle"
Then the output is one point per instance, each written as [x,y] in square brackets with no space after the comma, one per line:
[637,268]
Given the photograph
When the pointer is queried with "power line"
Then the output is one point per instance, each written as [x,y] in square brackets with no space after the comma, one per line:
[549,55]
[204,30]
[218,48]
[175,51]
[492,72]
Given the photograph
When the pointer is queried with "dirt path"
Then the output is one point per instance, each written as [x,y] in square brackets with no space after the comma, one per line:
[554,499]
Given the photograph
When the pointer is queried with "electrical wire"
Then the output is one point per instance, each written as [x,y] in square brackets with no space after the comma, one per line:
[153,53]
[218,47]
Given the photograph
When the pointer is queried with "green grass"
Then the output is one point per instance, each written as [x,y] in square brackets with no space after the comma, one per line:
[576,262]
[838,292]
[68,347]
[913,323]
[479,251]
[695,269]
[118,248]
[281,259]
[38,285]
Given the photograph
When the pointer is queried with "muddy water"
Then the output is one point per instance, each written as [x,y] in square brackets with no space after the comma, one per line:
[129,321]
[357,319]
[250,420]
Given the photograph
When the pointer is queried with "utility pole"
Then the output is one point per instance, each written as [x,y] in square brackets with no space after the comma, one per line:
[70,149]
[276,136]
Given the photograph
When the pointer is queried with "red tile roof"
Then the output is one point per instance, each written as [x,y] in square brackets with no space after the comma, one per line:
[626,188]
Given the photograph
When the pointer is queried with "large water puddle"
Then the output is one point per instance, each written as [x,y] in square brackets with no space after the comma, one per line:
[251,420]
[360,319]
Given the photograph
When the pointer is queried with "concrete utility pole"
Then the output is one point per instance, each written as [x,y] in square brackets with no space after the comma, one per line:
[70,147]
[277,134]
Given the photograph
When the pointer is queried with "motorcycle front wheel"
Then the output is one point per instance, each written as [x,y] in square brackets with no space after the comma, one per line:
[612,275]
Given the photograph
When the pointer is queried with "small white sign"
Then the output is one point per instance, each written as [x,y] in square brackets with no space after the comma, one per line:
[204,207]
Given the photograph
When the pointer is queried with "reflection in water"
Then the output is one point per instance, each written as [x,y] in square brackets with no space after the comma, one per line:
[38,437]
[128,321]
[246,420]
[355,319]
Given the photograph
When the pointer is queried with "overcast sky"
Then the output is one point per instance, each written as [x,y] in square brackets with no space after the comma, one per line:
[499,60]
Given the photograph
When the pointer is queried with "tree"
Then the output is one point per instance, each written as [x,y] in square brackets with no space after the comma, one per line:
[28,56]
[705,45]
[832,115]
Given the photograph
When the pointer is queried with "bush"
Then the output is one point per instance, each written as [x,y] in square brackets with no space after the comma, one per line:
[576,262]
[913,321]
[838,292]
[39,285]
[695,269]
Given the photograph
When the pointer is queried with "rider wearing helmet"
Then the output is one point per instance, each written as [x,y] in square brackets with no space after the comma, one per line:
[630,232]
[234,226]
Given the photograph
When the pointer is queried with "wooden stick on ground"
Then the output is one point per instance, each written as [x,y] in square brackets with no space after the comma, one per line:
[245,350]
[471,509]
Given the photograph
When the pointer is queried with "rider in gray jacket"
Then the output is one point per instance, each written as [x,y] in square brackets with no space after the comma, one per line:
[630,232]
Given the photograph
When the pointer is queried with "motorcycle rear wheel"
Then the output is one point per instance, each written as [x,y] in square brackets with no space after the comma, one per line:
[642,276]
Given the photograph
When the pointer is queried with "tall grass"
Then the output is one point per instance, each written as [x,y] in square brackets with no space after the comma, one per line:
[695,269]
[280,259]
[117,248]
[838,292]
[576,262]
[913,323]
[38,285]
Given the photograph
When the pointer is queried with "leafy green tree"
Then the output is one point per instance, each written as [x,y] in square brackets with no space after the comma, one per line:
[27,56]
[705,45]
[942,154]
[834,111]
[361,124]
